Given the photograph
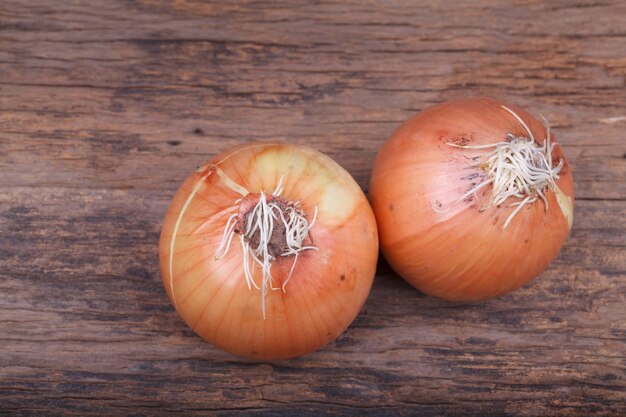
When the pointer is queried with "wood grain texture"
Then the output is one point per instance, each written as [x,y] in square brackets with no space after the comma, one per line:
[105,107]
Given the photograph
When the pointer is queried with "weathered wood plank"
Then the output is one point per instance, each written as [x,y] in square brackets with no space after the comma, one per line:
[82,311]
[106,106]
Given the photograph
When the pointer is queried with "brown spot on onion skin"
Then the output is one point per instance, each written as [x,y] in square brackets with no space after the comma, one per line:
[349,280]
[461,139]
[391,206]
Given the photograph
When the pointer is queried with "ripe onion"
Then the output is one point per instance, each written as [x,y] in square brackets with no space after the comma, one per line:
[269,250]
[471,199]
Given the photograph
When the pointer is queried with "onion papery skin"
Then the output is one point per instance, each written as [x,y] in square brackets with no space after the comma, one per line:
[459,252]
[328,286]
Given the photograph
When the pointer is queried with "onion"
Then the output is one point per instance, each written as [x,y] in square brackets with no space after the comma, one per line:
[472,201]
[269,251]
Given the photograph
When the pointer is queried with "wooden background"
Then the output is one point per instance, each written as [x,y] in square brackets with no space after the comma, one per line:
[106,106]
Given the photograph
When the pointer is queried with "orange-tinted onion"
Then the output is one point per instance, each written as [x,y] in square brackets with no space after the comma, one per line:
[450,249]
[328,286]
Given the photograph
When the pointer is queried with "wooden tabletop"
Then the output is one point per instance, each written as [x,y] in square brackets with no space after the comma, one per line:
[106,106]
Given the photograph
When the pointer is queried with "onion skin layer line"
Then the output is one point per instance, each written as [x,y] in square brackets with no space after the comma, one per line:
[176,226]
[566,205]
